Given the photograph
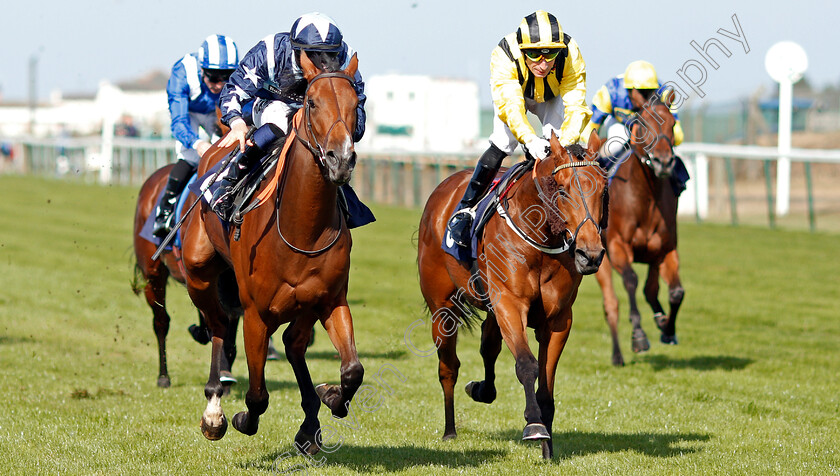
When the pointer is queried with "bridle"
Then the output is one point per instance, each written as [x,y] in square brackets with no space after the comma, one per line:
[569,238]
[318,150]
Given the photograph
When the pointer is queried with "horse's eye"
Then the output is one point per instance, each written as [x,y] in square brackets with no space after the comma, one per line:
[311,103]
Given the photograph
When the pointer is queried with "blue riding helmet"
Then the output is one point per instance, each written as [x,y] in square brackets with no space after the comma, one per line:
[315,32]
[218,52]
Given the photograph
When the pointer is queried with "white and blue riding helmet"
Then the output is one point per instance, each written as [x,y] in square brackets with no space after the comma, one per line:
[218,52]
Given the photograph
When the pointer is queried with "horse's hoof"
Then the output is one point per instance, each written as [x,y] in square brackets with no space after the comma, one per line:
[474,388]
[226,378]
[640,341]
[240,422]
[305,443]
[163,381]
[670,340]
[329,395]
[449,435]
[535,431]
[212,433]
[200,334]
[661,320]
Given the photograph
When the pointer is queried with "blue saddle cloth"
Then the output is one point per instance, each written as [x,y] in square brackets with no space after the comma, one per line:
[483,211]
[148,226]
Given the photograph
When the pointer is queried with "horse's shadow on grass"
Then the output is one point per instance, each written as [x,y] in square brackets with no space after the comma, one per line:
[333,355]
[701,363]
[367,459]
[575,443]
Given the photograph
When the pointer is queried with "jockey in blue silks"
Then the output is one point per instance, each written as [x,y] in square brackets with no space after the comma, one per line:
[612,106]
[193,92]
[270,76]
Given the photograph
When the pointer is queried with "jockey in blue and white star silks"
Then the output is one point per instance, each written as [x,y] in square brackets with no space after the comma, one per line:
[270,75]
[193,93]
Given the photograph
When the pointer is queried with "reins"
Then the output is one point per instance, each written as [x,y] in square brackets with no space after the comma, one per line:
[567,244]
[319,153]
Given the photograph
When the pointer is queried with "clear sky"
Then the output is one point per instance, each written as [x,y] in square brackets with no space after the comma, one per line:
[80,42]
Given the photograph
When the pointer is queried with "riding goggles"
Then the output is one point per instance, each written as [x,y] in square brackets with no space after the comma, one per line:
[218,76]
[538,54]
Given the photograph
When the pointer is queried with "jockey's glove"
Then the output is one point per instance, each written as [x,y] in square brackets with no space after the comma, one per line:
[538,147]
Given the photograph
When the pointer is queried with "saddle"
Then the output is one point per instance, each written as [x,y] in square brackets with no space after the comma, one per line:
[485,210]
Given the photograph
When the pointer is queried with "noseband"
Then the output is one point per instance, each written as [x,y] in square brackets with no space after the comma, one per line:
[568,243]
[318,150]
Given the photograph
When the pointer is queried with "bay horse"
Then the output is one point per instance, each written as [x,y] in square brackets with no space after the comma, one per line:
[291,264]
[642,224]
[518,285]
[152,275]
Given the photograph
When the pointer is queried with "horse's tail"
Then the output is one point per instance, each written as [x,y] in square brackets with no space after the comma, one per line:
[138,281]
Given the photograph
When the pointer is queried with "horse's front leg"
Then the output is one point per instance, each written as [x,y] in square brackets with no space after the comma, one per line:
[491,344]
[622,260]
[296,337]
[512,315]
[339,326]
[610,299]
[670,270]
[155,293]
[255,334]
[552,337]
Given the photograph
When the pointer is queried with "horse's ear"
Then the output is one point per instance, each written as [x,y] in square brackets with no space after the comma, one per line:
[352,67]
[636,98]
[556,149]
[593,145]
[308,67]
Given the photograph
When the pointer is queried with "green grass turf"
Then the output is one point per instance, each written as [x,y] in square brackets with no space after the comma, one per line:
[751,389]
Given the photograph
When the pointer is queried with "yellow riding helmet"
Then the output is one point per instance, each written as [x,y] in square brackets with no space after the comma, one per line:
[540,30]
[640,75]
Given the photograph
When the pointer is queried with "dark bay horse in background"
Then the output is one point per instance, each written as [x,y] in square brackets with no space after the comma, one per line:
[151,277]
[291,262]
[642,225]
[561,205]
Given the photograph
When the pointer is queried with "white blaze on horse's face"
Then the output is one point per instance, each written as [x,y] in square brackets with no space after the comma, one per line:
[331,102]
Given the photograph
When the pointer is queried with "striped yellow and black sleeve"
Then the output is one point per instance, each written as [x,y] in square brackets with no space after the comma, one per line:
[506,89]
[573,91]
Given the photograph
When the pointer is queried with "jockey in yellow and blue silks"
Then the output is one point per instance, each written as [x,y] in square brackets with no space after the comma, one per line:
[612,107]
[538,69]
[193,92]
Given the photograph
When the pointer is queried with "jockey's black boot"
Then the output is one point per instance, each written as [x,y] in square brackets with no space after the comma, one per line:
[461,223]
[164,213]
[240,165]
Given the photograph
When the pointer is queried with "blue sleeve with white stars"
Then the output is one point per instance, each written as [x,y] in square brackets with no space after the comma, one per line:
[244,83]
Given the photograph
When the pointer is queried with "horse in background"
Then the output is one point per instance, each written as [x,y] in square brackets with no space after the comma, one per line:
[519,283]
[151,277]
[291,265]
[642,225]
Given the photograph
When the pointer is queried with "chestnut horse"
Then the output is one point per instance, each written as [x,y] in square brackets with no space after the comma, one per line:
[151,276]
[559,209]
[291,261]
[642,225]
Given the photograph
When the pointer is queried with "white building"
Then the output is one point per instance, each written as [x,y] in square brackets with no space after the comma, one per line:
[421,114]
[144,100]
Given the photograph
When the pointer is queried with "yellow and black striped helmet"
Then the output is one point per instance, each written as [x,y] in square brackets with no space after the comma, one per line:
[540,30]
